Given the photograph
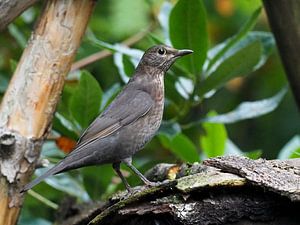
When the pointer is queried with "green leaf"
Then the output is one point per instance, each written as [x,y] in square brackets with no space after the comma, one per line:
[129,68]
[124,65]
[214,141]
[290,149]
[236,38]
[109,95]
[64,121]
[63,182]
[184,148]
[253,154]
[265,38]
[85,102]
[64,104]
[66,183]
[17,34]
[295,154]
[94,184]
[167,131]
[13,65]
[163,18]
[248,110]
[134,53]
[3,83]
[188,30]
[170,129]
[63,127]
[154,39]
[239,64]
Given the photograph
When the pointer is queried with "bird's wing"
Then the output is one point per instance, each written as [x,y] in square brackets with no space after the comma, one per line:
[125,109]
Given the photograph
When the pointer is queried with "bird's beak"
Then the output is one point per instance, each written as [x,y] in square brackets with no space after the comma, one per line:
[183,52]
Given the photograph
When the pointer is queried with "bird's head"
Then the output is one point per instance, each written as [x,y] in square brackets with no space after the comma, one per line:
[161,57]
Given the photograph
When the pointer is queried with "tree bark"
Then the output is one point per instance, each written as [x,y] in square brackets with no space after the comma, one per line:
[284,18]
[10,9]
[221,191]
[31,98]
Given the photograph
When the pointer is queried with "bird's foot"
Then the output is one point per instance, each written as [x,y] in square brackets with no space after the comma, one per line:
[151,184]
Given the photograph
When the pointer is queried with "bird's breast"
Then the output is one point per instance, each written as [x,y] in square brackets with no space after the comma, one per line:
[143,129]
[153,118]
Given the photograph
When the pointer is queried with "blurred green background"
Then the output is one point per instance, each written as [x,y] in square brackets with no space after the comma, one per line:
[189,132]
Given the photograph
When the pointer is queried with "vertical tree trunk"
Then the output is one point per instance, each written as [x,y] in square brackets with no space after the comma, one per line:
[31,98]
[284,18]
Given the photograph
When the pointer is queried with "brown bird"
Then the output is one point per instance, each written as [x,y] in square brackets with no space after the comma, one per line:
[128,123]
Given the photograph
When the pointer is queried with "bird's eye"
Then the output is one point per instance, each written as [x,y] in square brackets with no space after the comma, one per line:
[161,51]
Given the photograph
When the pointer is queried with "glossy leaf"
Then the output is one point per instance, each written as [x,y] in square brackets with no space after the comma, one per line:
[64,121]
[239,64]
[185,87]
[64,127]
[253,154]
[188,30]
[163,18]
[109,95]
[184,148]
[233,40]
[96,179]
[214,140]
[170,129]
[265,38]
[85,102]
[248,110]
[17,34]
[134,53]
[124,65]
[66,183]
[291,149]
[63,182]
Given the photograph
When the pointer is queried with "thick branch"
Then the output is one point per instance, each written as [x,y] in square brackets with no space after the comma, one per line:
[284,18]
[31,98]
[10,9]
[203,195]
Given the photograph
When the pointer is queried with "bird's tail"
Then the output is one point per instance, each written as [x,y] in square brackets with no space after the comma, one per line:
[54,170]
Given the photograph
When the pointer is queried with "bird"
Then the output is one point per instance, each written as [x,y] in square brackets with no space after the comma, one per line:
[127,124]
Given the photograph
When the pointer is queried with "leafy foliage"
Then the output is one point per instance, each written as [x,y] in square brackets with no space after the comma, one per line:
[188,30]
[86,100]
[197,86]
[214,140]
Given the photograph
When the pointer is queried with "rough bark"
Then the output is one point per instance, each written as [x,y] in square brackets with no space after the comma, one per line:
[276,176]
[229,191]
[284,17]
[29,103]
[10,9]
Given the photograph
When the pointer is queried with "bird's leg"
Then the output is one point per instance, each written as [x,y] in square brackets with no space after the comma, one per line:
[128,162]
[116,167]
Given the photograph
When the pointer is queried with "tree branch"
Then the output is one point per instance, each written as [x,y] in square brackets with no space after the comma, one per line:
[284,17]
[105,53]
[10,9]
[231,189]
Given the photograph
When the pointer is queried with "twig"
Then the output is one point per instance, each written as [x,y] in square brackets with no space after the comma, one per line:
[105,53]
[43,199]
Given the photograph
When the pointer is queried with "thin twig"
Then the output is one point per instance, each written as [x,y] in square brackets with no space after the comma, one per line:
[43,199]
[105,53]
